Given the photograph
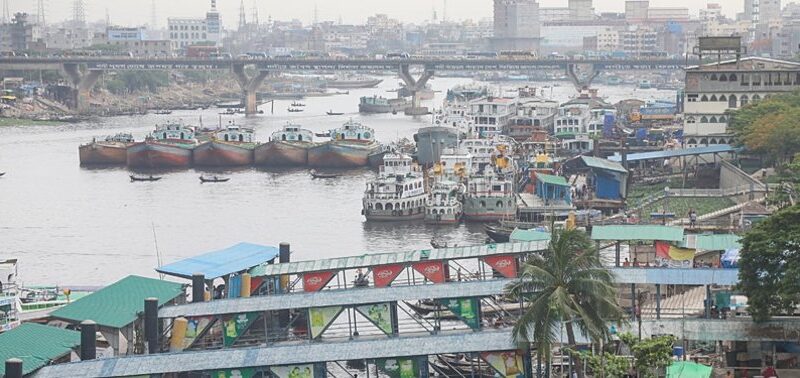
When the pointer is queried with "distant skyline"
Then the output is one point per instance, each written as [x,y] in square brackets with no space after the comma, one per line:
[137,12]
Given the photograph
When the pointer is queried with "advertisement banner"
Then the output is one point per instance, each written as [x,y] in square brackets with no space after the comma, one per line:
[379,314]
[466,309]
[508,364]
[320,318]
[432,270]
[385,274]
[235,325]
[505,264]
[293,371]
[668,255]
[235,373]
[194,328]
[317,280]
[403,367]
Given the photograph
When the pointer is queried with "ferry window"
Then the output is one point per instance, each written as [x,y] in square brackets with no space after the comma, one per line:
[283,136]
[692,98]
[500,204]
[732,77]
[745,80]
[756,79]
[704,98]
[241,138]
[300,138]
[723,78]
[723,98]
[732,101]
[483,203]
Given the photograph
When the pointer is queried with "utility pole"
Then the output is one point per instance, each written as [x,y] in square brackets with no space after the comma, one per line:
[40,19]
[242,18]
[255,13]
[6,12]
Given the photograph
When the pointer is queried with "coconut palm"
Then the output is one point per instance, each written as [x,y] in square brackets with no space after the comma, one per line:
[566,285]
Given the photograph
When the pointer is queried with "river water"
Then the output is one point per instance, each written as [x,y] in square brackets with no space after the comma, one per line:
[70,225]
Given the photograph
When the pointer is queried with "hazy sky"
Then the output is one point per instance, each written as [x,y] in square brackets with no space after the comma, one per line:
[132,12]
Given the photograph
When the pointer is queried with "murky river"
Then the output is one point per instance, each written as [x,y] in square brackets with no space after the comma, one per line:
[73,225]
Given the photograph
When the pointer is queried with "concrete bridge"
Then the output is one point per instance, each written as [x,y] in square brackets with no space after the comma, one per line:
[83,72]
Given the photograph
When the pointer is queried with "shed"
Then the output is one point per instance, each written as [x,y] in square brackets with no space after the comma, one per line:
[550,187]
[608,178]
[637,232]
[519,235]
[37,345]
[115,308]
[238,258]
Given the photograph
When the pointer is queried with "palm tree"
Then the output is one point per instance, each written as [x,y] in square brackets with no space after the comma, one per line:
[568,285]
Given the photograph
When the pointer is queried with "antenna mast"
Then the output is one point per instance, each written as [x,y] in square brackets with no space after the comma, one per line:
[79,12]
[242,19]
[40,19]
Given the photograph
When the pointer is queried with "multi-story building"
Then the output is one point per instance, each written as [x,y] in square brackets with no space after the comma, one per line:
[533,113]
[608,40]
[636,10]
[516,25]
[491,114]
[640,11]
[134,40]
[762,11]
[185,32]
[553,14]
[581,10]
[640,40]
[20,34]
[712,12]
[579,119]
[714,89]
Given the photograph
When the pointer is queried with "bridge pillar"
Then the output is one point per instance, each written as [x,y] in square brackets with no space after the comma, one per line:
[82,83]
[582,83]
[249,87]
[415,86]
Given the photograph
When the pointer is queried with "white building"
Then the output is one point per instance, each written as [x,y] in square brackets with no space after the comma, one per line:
[713,89]
[184,32]
[491,114]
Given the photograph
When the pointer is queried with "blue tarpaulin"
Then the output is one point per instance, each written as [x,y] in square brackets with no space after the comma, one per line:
[237,258]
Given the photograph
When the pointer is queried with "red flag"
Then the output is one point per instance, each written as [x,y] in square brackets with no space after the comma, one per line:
[505,264]
[432,270]
[385,274]
[317,280]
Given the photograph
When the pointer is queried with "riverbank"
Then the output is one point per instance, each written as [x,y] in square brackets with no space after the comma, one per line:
[5,122]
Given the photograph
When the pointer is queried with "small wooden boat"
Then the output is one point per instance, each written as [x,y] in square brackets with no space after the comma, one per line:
[145,178]
[318,175]
[163,112]
[332,113]
[498,233]
[294,110]
[214,179]
[2,174]
[296,104]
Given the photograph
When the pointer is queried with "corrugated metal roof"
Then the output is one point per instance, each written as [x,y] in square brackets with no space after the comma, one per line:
[118,304]
[676,276]
[551,179]
[160,363]
[598,163]
[519,235]
[719,148]
[237,258]
[363,261]
[637,232]
[340,297]
[36,345]
[717,242]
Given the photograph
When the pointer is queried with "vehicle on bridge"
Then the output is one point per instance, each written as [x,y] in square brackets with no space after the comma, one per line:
[481,54]
[518,54]
[398,55]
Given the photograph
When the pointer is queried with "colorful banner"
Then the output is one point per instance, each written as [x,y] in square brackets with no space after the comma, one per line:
[432,270]
[234,326]
[255,284]
[194,328]
[505,264]
[293,371]
[317,280]
[379,314]
[403,367]
[508,364]
[670,256]
[466,309]
[235,373]
[385,274]
[320,318]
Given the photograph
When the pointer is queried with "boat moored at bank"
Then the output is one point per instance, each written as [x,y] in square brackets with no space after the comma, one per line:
[111,150]
[287,147]
[168,146]
[375,104]
[443,205]
[228,147]
[398,193]
[350,146]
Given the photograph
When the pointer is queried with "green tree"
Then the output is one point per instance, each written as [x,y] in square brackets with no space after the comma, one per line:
[567,285]
[651,354]
[770,127]
[769,273]
[609,365]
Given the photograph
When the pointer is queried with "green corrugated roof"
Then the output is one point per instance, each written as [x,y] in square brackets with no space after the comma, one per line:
[36,345]
[520,235]
[594,162]
[118,304]
[718,242]
[552,180]
[637,232]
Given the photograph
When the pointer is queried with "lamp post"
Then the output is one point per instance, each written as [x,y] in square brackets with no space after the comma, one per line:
[666,206]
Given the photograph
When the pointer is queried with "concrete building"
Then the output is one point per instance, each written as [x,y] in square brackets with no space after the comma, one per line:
[713,89]
[516,25]
[760,11]
[565,36]
[581,10]
[640,11]
[185,32]
[639,41]
[636,10]
[712,12]
[20,34]
[554,14]
[135,40]
[491,114]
